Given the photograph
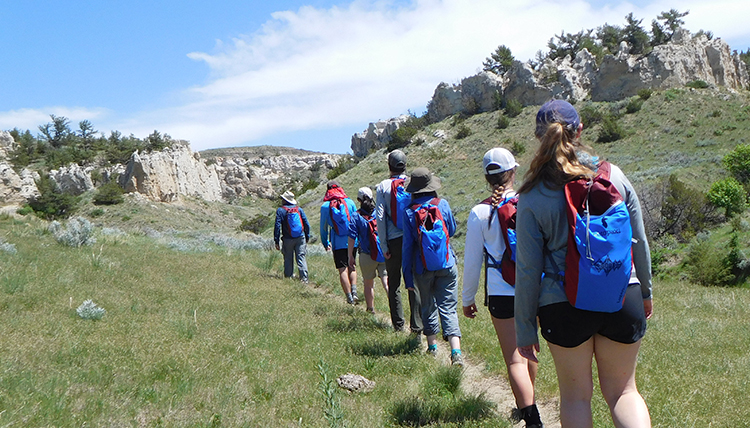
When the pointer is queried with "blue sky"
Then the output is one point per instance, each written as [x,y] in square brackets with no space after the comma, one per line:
[304,74]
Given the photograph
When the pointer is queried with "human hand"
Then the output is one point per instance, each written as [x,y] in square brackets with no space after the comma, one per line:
[529,352]
[277,247]
[470,311]
[648,307]
[387,255]
[327,247]
[352,264]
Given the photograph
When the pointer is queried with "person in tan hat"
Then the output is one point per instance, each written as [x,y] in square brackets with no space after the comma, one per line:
[429,262]
[293,230]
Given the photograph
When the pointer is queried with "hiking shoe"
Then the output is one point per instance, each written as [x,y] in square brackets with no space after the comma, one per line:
[457,359]
[355,297]
[432,351]
[350,300]
[371,310]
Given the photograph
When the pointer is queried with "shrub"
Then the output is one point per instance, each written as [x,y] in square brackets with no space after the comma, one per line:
[400,138]
[518,148]
[513,108]
[257,224]
[697,84]
[51,202]
[24,210]
[503,122]
[634,105]
[590,115]
[611,130]
[728,194]
[463,132]
[737,162]
[98,212]
[77,233]
[109,194]
[90,311]
[716,265]
[645,93]
[345,164]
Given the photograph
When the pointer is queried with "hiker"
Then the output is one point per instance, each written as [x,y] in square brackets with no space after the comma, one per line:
[392,199]
[364,229]
[335,215]
[574,335]
[429,262]
[487,241]
[294,231]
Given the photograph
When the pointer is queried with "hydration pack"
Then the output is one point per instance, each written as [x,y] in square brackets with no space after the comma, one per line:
[376,253]
[506,215]
[432,235]
[400,200]
[340,217]
[294,226]
[599,259]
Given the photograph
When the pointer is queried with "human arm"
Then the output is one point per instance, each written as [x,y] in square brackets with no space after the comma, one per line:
[381,210]
[305,224]
[324,226]
[529,266]
[473,252]
[277,226]
[353,234]
[407,251]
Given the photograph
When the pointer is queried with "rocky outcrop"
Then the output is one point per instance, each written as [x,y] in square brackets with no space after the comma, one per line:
[168,174]
[474,94]
[7,144]
[686,58]
[17,188]
[376,136]
[73,179]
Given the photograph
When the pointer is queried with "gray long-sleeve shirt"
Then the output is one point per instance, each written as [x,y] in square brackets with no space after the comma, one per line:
[542,233]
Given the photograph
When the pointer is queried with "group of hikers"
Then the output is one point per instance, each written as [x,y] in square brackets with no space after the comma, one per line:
[566,254]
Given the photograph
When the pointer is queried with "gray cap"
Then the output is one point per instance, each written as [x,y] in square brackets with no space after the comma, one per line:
[397,159]
[421,181]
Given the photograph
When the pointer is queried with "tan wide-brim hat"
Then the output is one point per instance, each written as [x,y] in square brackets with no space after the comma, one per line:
[422,181]
[289,197]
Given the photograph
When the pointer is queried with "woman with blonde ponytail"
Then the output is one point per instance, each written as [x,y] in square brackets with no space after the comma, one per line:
[485,242]
[576,336]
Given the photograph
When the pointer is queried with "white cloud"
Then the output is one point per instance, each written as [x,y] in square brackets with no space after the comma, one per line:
[31,118]
[315,69]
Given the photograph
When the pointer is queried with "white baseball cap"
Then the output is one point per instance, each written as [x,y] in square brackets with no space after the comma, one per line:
[500,157]
[362,192]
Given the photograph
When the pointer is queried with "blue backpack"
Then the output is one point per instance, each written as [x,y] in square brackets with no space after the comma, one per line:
[340,217]
[294,226]
[432,235]
[400,201]
[599,260]
[376,253]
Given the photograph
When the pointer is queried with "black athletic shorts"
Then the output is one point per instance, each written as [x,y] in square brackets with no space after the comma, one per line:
[341,257]
[501,307]
[566,326]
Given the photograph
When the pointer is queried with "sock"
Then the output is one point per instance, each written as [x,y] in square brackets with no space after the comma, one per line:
[455,351]
[434,347]
[531,416]
[354,288]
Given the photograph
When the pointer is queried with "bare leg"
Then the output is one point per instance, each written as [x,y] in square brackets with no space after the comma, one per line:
[616,363]
[384,281]
[352,278]
[521,372]
[344,279]
[369,292]
[573,366]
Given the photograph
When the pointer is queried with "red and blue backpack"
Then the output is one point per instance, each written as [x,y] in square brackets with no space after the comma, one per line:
[294,226]
[506,216]
[432,235]
[376,253]
[340,217]
[599,259]
[400,200]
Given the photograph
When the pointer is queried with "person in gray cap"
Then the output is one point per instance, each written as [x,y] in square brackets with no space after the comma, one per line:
[293,230]
[392,199]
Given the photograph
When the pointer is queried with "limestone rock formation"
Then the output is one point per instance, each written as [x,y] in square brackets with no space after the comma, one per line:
[6,144]
[73,179]
[684,59]
[376,136]
[168,174]
[17,189]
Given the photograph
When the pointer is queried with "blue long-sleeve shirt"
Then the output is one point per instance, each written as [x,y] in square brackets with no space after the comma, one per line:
[411,260]
[280,232]
[328,235]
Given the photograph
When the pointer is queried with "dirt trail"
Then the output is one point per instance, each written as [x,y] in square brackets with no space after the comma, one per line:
[497,389]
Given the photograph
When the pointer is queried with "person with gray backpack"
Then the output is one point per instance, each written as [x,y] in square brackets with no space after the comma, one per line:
[293,230]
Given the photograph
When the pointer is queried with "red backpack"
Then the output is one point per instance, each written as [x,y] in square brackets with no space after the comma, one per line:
[400,200]
[340,217]
[372,237]
[506,215]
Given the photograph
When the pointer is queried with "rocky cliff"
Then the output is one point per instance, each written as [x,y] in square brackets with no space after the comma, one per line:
[15,188]
[376,136]
[686,58]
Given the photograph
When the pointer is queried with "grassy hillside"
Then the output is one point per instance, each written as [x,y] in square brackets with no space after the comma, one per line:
[201,330]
